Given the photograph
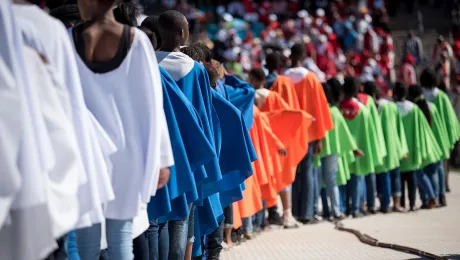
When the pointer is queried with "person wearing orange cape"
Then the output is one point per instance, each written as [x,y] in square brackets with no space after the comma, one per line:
[291,127]
[312,100]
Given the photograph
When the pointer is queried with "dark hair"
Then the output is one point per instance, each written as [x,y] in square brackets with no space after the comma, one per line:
[126,13]
[151,35]
[193,52]
[428,78]
[399,91]
[213,75]
[415,94]
[258,74]
[370,88]
[350,87]
[273,61]
[151,22]
[328,92]
[172,21]
[335,88]
[68,14]
[207,53]
[298,51]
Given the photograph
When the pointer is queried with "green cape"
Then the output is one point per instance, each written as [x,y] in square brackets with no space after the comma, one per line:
[394,136]
[447,115]
[440,131]
[381,151]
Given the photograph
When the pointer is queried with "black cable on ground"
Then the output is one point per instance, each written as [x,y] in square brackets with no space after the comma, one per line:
[374,242]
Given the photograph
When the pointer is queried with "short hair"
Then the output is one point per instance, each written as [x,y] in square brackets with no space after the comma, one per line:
[207,53]
[370,88]
[151,35]
[298,50]
[126,13]
[213,75]
[273,60]
[172,21]
[400,91]
[335,89]
[351,86]
[151,22]
[68,14]
[258,74]
[428,78]
[193,52]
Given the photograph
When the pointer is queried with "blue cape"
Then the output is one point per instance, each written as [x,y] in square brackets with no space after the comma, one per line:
[241,95]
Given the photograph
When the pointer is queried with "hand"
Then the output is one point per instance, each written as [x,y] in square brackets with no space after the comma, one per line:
[406,157]
[358,153]
[318,147]
[282,152]
[164,177]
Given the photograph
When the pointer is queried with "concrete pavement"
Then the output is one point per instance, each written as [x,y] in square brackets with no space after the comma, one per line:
[436,231]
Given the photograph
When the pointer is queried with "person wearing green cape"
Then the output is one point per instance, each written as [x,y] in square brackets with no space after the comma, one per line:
[422,145]
[370,188]
[338,143]
[362,127]
[388,174]
[447,114]
[440,132]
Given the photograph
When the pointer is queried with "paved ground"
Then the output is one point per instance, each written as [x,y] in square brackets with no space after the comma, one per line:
[436,231]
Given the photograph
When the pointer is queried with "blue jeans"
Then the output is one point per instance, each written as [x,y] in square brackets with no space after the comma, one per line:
[304,188]
[259,217]
[72,249]
[327,173]
[191,226]
[178,230]
[426,189]
[442,179]
[343,198]
[354,193]
[384,189]
[158,238]
[396,186]
[371,189]
[325,203]
[248,228]
[212,245]
[119,240]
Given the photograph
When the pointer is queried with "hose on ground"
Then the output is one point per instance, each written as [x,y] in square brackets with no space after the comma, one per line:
[374,242]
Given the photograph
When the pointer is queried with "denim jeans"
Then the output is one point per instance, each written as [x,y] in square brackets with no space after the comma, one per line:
[426,190]
[259,217]
[327,173]
[325,203]
[228,216]
[119,240]
[371,189]
[384,189]
[158,239]
[213,243]
[395,177]
[141,247]
[354,193]
[343,198]
[442,179]
[431,171]
[304,188]
[178,230]
[72,249]
[248,227]
[191,226]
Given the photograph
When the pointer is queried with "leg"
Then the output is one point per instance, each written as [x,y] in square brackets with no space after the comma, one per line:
[163,241]
[152,238]
[119,239]
[355,184]
[329,169]
[248,229]
[370,192]
[395,178]
[424,185]
[442,184]
[141,247]
[404,179]
[343,197]
[323,193]
[214,243]
[432,173]
[412,188]
[177,238]
[89,242]
[285,196]
[72,248]
[190,234]
[228,221]
[447,171]
[384,190]
[325,203]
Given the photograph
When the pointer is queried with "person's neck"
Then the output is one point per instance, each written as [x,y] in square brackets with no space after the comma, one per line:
[169,47]
[272,72]
[104,17]
[296,64]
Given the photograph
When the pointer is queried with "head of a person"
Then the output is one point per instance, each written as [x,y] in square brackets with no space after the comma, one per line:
[194,53]
[68,14]
[91,10]
[411,34]
[350,87]
[273,61]
[126,13]
[335,91]
[151,35]
[415,95]
[428,78]
[174,30]
[257,78]
[212,74]
[370,88]
[151,22]
[400,92]
[207,53]
[298,52]
[219,67]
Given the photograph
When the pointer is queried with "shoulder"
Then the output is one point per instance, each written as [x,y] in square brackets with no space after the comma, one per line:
[177,64]
[297,74]
[350,108]
[406,107]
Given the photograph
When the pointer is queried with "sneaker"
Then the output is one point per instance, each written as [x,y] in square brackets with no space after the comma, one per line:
[385,210]
[357,215]
[318,218]
[340,217]
[310,221]
[275,219]
[372,211]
